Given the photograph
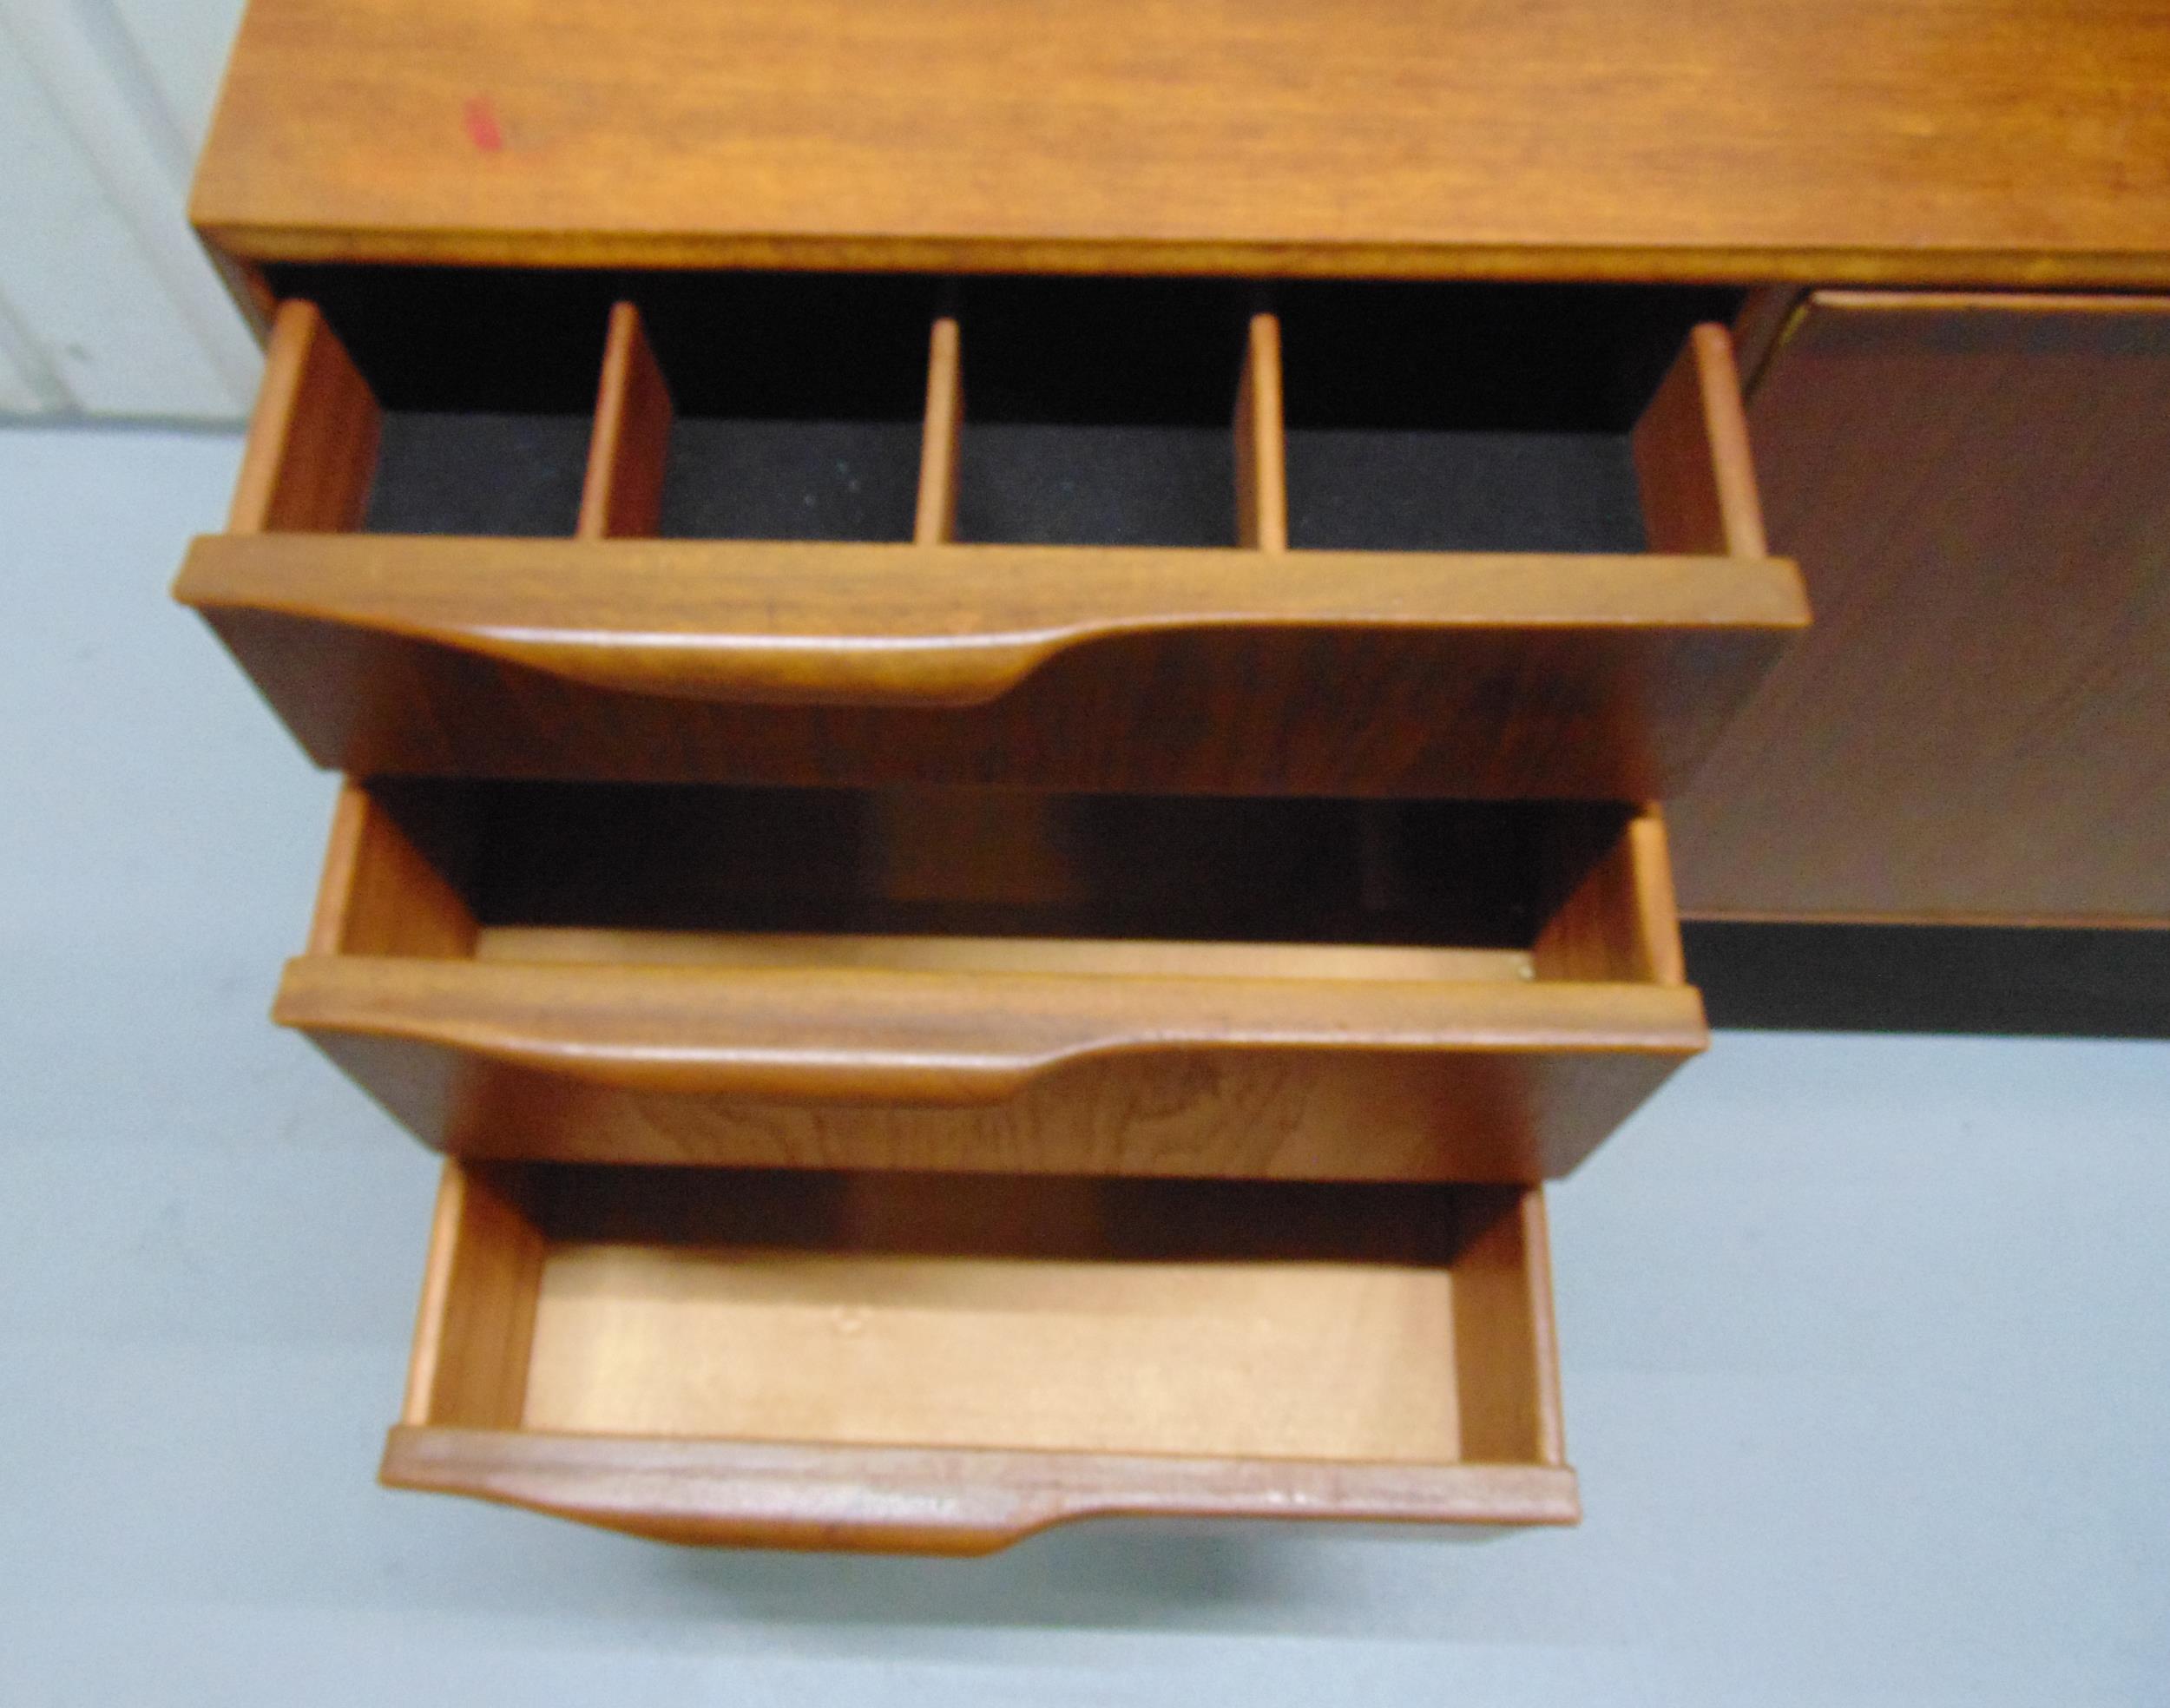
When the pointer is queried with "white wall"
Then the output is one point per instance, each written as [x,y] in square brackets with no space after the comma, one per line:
[108,306]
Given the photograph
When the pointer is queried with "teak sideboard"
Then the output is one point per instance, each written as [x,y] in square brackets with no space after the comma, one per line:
[1024,690]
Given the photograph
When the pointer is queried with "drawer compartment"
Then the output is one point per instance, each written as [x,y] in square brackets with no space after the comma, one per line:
[997,980]
[937,1363]
[798,556]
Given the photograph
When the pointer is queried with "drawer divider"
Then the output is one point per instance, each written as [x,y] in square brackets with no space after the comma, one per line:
[942,439]
[1261,443]
[630,450]
[312,450]
[1691,458]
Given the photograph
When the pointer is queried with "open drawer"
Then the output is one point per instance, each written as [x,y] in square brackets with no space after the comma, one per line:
[943,1363]
[1484,551]
[997,980]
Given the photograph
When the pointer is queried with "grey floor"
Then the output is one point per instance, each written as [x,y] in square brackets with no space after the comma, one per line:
[1866,1340]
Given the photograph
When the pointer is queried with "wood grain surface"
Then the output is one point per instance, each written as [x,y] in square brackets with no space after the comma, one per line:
[475,1327]
[874,1347]
[808,623]
[312,448]
[622,497]
[934,522]
[1280,1059]
[1952,141]
[1192,670]
[1110,956]
[1261,441]
[1508,1400]
[1312,672]
[879,1500]
[1692,465]
[381,895]
[1978,727]
[1612,918]
[977,1071]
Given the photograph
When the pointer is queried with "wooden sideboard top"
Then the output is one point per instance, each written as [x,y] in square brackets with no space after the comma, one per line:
[1947,141]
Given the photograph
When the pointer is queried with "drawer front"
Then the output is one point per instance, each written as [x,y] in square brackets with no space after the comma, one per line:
[908,646]
[903,1363]
[1147,985]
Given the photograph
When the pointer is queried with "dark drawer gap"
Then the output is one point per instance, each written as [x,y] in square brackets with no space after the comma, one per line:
[1460,417]
[936,862]
[1356,489]
[487,382]
[1097,412]
[797,400]
[1038,484]
[445,472]
[741,479]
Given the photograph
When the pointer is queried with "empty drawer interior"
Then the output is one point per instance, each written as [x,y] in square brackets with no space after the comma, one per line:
[1474,418]
[795,405]
[1006,880]
[1368,1322]
[1099,412]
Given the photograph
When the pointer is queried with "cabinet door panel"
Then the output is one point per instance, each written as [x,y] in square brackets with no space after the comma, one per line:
[1977,490]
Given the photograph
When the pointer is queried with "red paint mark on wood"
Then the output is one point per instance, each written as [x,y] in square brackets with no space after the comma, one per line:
[480,120]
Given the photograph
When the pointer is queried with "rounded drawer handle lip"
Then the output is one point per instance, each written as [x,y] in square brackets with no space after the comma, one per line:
[960,1500]
[944,672]
[947,672]
[920,1060]
[935,657]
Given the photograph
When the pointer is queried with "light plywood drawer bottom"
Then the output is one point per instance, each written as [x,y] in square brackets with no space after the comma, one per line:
[944,1363]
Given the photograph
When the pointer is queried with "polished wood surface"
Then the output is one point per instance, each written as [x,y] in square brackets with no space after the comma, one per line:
[312,448]
[1508,1405]
[1292,1060]
[1693,464]
[1252,669]
[881,1500]
[1462,1115]
[1613,917]
[806,623]
[1951,142]
[785,1359]
[1120,1223]
[1261,441]
[941,437]
[475,1328]
[1978,726]
[623,494]
[380,894]
[1083,667]
[1110,956]
[865,1348]
[876,1035]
